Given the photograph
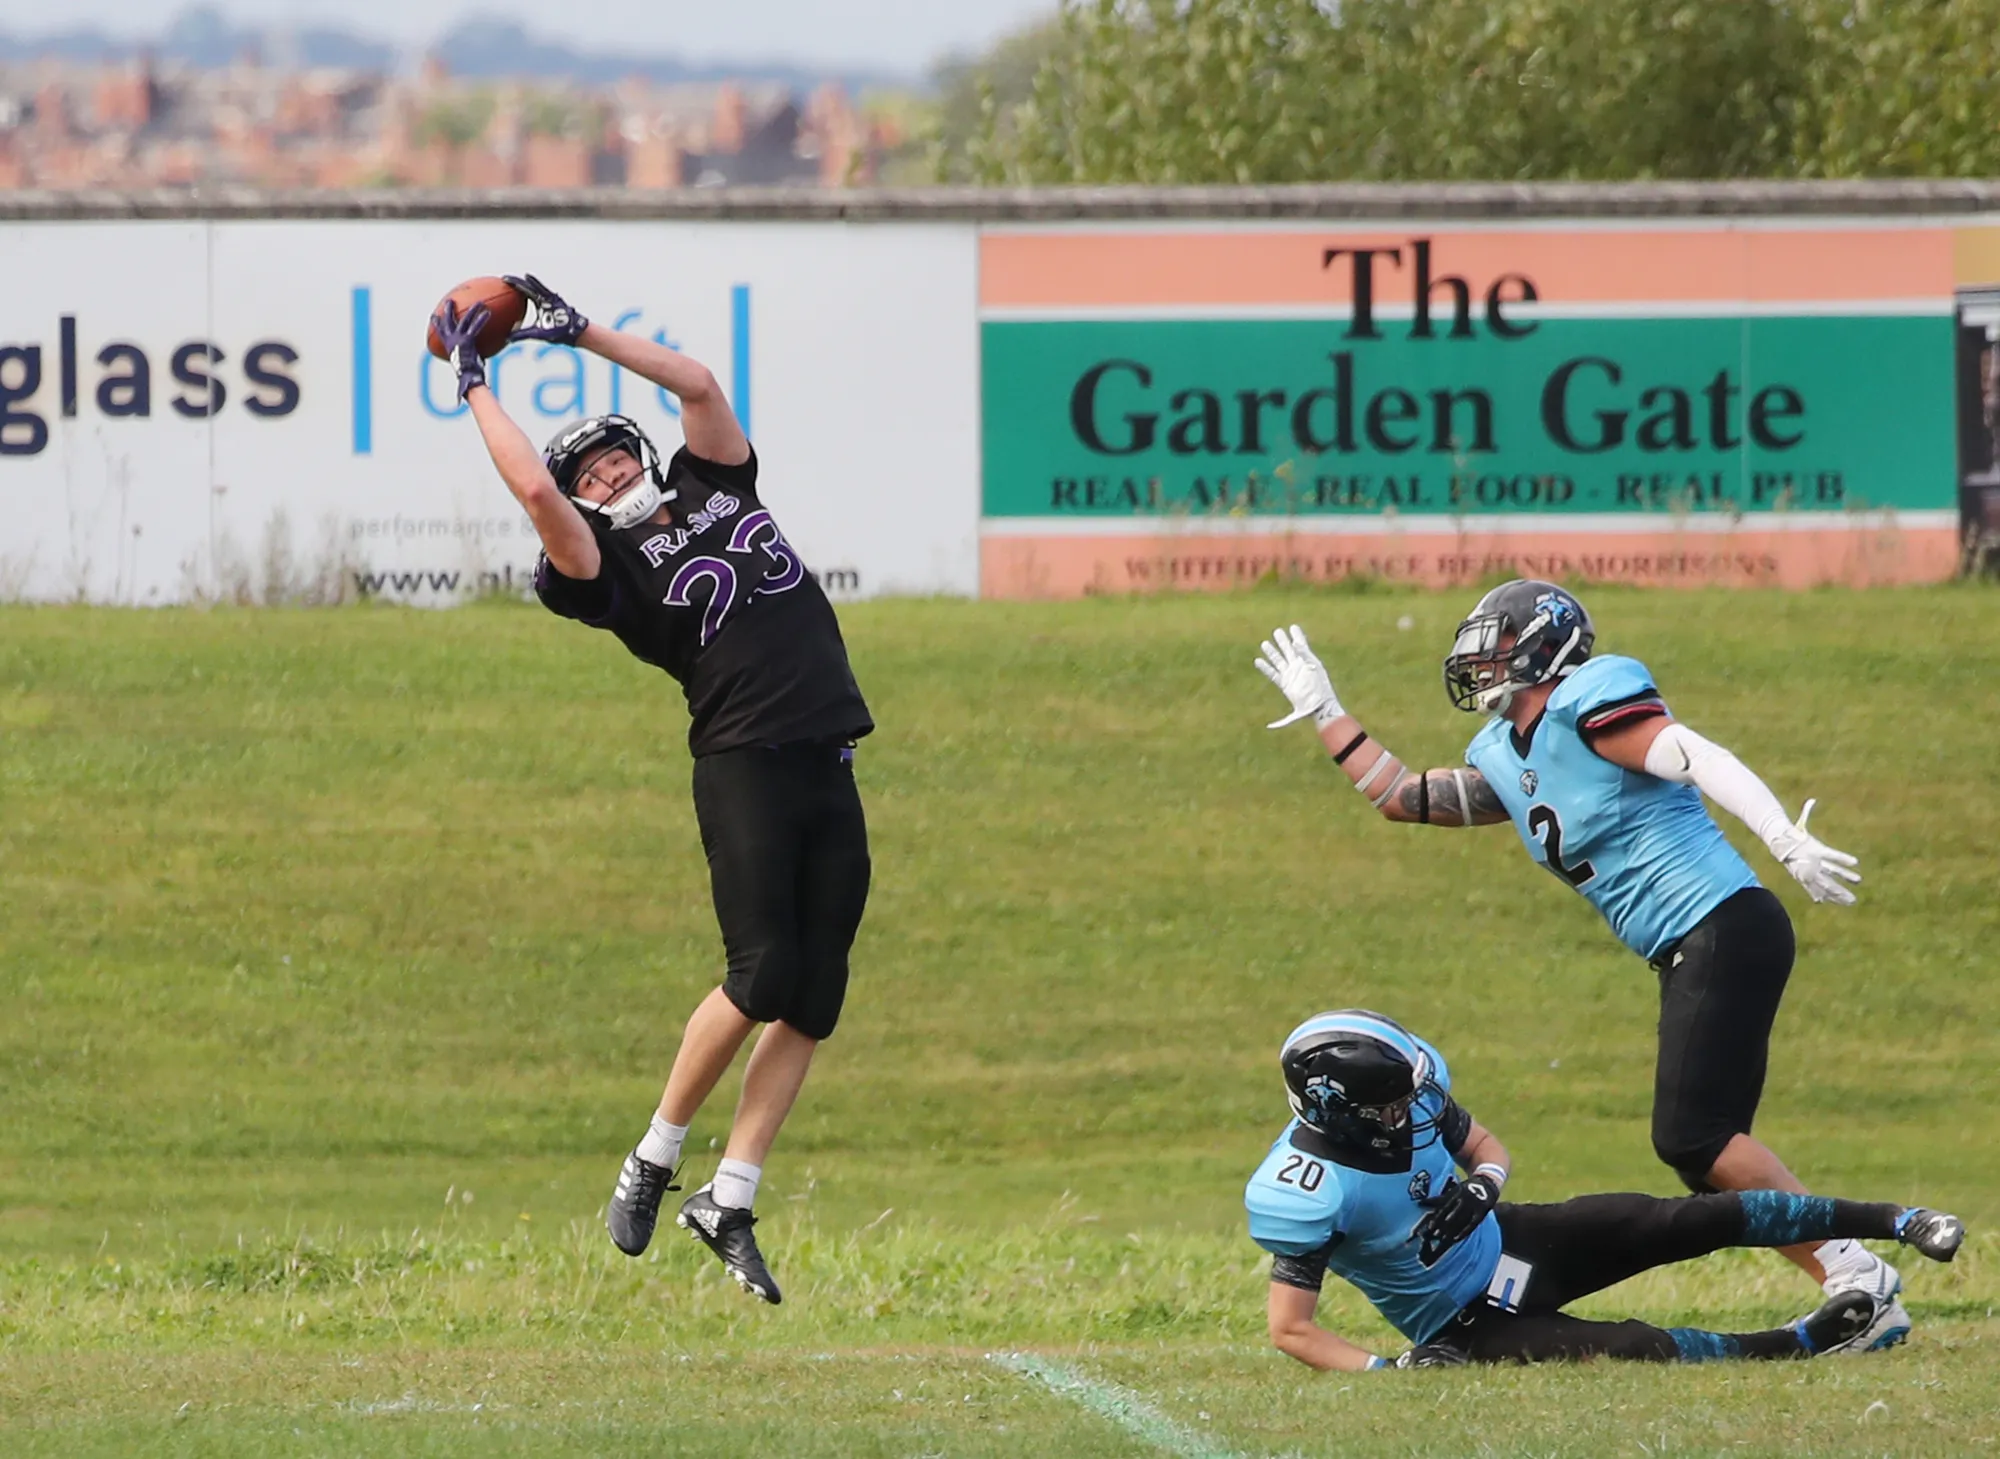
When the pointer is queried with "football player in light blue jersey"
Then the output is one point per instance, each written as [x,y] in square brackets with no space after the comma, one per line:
[1362,1183]
[1605,787]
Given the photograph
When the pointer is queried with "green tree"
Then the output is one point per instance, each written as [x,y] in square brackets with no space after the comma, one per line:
[551,114]
[1276,91]
[1904,89]
[971,91]
[455,121]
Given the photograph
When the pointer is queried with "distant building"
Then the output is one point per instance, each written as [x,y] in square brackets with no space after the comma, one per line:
[143,124]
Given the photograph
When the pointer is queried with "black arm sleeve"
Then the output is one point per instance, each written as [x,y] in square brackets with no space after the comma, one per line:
[1454,1125]
[1308,1272]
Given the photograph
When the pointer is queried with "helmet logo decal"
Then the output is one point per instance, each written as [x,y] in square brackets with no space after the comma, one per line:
[1529,780]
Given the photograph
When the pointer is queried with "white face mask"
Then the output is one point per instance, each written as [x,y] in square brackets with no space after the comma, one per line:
[1480,638]
[635,504]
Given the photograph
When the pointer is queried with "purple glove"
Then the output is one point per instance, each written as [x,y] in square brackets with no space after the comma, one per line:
[554,320]
[460,337]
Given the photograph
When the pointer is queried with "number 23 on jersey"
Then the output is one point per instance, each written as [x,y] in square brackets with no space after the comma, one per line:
[727,587]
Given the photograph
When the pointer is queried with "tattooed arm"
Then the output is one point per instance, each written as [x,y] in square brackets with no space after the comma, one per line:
[1447,798]
[1444,797]
[1433,798]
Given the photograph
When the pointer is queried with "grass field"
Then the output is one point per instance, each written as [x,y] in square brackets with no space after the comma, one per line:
[343,954]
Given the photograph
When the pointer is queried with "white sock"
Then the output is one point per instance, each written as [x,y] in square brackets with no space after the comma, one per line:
[1844,1260]
[736,1184]
[662,1144]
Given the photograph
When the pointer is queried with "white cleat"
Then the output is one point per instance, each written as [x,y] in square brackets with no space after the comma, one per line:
[1892,1321]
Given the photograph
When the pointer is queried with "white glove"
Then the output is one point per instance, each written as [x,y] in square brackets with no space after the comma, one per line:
[1818,867]
[1289,662]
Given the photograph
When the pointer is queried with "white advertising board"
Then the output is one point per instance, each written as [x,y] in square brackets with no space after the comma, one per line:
[246,409]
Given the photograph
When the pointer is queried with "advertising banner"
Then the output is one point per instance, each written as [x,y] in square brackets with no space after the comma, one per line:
[246,410]
[1764,403]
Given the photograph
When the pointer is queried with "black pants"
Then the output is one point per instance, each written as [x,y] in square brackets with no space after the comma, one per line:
[1584,1245]
[787,849]
[1719,992]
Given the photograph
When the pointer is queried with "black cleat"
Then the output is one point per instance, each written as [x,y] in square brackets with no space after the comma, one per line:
[635,1205]
[1840,1319]
[1934,1233]
[725,1230]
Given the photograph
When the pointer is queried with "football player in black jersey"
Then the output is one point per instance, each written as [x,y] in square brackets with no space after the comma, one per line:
[683,563]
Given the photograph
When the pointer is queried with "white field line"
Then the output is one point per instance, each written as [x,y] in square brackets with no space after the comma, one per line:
[1121,1406]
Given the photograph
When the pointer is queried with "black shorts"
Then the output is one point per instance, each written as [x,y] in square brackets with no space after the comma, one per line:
[787,848]
[1719,992]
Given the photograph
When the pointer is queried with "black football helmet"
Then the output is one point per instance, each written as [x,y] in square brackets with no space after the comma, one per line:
[1521,634]
[577,445]
[1356,1078]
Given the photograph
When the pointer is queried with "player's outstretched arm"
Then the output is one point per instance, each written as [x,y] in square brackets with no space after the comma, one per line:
[1662,746]
[572,551]
[708,424]
[1446,797]
[1289,1314]
[566,537]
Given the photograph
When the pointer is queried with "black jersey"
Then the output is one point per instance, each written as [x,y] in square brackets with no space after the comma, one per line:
[718,599]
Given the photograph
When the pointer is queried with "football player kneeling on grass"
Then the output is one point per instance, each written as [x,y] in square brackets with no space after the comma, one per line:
[1362,1183]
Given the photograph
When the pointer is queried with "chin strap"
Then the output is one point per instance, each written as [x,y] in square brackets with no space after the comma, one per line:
[637,504]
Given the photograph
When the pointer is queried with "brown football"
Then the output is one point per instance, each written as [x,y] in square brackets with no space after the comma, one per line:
[503,301]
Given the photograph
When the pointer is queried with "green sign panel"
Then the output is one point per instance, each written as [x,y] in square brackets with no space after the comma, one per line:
[1138,417]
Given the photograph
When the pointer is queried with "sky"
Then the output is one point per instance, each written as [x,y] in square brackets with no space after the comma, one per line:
[897,35]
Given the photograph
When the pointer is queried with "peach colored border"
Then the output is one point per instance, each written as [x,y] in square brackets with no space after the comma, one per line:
[1068,567]
[1976,256]
[1134,269]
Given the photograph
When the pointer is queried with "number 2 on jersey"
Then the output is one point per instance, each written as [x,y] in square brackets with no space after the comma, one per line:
[1548,829]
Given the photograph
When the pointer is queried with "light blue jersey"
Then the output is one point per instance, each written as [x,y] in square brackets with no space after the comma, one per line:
[1303,1203]
[1644,851]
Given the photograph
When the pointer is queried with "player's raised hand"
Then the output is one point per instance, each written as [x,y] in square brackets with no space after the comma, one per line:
[1288,661]
[551,318]
[1817,867]
[460,335]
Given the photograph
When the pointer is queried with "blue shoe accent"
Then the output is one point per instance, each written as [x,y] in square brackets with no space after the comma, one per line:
[1889,1337]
